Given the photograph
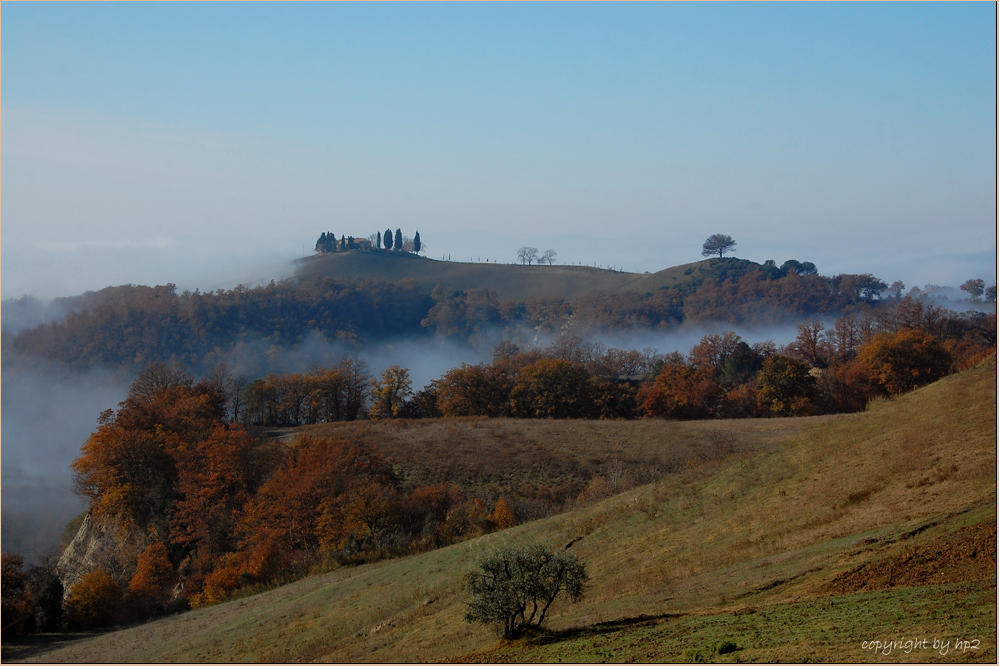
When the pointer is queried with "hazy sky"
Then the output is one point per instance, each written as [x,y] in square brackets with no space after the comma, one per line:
[209,144]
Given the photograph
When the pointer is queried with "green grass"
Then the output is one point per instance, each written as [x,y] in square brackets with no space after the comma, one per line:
[830,629]
[511,281]
[761,548]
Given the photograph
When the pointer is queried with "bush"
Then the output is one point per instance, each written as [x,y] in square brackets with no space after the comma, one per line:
[727,646]
[94,601]
[517,581]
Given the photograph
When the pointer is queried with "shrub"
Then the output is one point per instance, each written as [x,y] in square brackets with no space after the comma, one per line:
[727,646]
[94,601]
[17,611]
[516,581]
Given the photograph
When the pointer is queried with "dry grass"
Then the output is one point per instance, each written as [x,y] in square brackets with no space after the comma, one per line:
[554,460]
[727,545]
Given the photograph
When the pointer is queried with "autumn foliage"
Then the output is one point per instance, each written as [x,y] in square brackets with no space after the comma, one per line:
[217,509]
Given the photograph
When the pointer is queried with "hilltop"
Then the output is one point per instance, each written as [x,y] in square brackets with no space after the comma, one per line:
[513,281]
[869,526]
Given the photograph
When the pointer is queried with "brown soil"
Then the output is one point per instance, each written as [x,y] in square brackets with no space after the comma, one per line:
[968,553]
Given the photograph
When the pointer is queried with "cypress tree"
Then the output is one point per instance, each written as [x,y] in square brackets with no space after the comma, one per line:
[388,239]
[378,243]
[398,239]
[416,242]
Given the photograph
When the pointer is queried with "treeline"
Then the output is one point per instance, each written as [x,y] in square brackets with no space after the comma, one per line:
[877,352]
[133,326]
[881,351]
[739,293]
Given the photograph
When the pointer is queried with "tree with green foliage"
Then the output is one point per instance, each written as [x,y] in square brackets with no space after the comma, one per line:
[417,244]
[398,239]
[46,593]
[717,244]
[552,388]
[387,239]
[515,587]
[786,387]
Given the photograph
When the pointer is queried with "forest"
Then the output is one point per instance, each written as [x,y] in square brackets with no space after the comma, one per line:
[132,326]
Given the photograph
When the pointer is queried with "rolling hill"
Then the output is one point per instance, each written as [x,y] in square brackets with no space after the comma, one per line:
[510,281]
[876,526]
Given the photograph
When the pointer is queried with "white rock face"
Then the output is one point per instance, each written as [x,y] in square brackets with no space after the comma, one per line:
[101,544]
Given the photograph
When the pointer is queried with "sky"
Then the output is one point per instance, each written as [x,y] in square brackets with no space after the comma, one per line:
[209,144]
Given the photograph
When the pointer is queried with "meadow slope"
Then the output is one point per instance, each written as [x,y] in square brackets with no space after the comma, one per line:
[509,281]
[871,526]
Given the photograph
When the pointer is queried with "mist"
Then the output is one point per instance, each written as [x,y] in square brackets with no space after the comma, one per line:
[48,413]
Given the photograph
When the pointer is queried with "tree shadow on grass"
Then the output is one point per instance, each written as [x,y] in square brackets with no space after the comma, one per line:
[19,648]
[544,637]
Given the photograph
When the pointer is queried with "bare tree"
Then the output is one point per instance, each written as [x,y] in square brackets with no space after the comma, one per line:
[548,256]
[526,255]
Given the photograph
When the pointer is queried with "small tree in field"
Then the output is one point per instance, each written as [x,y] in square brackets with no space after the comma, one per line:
[718,244]
[515,587]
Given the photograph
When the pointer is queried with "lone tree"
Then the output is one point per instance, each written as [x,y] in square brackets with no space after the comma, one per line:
[975,288]
[717,244]
[516,587]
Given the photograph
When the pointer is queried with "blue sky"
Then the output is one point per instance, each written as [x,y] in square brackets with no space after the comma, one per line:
[206,144]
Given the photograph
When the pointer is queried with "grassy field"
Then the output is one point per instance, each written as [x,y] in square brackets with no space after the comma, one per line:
[879,526]
[509,281]
[531,458]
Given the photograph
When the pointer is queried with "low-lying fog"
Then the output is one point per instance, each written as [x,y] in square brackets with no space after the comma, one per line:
[48,412]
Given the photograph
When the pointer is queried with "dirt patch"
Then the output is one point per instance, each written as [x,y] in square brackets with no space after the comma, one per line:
[965,554]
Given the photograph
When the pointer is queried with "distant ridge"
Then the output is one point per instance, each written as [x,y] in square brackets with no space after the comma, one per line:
[512,281]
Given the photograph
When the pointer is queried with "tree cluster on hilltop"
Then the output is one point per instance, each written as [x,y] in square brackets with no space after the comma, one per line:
[328,242]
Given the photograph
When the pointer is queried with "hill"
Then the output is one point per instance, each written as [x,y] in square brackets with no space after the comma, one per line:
[510,281]
[866,527]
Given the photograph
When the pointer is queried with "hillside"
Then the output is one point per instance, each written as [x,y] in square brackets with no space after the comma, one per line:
[509,281]
[877,525]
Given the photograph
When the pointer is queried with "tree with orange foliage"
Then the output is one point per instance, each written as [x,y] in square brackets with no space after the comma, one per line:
[94,601]
[288,508]
[501,516]
[680,392]
[151,586]
[905,360]
[217,477]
